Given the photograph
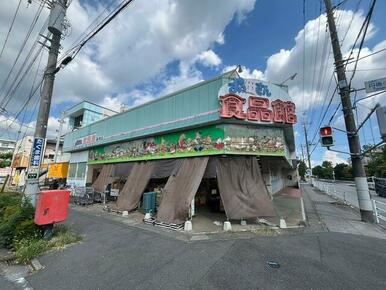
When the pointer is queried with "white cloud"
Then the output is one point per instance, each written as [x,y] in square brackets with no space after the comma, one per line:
[318,71]
[246,72]
[333,157]
[112,103]
[208,58]
[133,49]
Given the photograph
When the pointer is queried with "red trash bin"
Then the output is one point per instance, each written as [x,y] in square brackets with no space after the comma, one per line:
[52,207]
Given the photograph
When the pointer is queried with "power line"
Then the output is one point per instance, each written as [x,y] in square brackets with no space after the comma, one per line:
[12,90]
[10,28]
[367,20]
[37,15]
[31,94]
[368,55]
[76,49]
[363,28]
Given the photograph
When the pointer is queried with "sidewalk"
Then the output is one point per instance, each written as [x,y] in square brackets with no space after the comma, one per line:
[325,213]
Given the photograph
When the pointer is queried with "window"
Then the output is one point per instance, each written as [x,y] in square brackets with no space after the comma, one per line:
[78,121]
[81,172]
[72,170]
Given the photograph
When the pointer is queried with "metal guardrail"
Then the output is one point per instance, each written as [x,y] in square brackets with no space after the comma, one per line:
[379,212]
[330,189]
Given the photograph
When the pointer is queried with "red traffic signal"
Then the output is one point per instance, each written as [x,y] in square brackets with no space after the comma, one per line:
[326,138]
[326,131]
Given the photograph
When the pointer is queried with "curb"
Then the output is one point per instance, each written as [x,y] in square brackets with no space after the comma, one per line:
[36,265]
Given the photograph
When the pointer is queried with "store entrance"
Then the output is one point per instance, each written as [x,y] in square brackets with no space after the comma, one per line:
[208,212]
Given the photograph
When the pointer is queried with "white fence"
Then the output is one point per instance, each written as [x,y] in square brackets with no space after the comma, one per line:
[330,189]
[379,210]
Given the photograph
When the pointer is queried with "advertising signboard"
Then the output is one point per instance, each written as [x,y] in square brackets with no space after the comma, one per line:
[36,157]
[211,140]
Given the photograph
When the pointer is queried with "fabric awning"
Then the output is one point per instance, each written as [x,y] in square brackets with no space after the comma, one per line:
[180,190]
[138,178]
[104,178]
[242,188]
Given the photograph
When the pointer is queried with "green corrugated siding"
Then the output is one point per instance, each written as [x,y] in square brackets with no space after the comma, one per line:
[190,102]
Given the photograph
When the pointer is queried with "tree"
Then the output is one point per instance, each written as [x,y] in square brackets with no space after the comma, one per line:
[343,171]
[5,159]
[328,169]
[377,165]
[324,171]
[318,171]
[302,169]
[339,171]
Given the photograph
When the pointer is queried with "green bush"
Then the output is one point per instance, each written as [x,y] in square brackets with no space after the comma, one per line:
[27,229]
[18,230]
[27,249]
[12,216]
[8,199]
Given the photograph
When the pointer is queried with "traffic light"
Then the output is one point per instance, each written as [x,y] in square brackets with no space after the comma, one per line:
[326,138]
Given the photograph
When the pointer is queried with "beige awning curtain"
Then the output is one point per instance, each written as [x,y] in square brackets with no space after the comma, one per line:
[104,178]
[242,188]
[138,178]
[180,190]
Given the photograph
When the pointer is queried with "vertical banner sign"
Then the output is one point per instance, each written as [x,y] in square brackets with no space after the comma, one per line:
[36,157]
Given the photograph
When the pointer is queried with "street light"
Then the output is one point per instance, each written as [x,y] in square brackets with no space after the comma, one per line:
[289,78]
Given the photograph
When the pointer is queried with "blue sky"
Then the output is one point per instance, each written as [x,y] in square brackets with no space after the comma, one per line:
[146,53]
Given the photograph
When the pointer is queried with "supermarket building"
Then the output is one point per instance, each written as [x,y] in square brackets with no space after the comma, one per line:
[227,144]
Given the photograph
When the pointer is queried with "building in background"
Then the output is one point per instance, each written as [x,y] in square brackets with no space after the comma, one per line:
[7,145]
[228,143]
[20,160]
[86,113]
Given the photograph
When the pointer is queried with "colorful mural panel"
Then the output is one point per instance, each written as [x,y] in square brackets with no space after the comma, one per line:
[212,140]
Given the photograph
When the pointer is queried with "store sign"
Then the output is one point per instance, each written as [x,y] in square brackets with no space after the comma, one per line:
[211,140]
[250,100]
[85,141]
[36,157]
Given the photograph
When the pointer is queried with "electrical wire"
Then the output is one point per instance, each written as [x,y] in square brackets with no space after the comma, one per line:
[367,20]
[368,55]
[10,28]
[363,28]
[36,17]
[12,91]
[77,48]
[31,94]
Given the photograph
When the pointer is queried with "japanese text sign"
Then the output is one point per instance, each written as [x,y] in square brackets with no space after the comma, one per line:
[249,100]
[37,151]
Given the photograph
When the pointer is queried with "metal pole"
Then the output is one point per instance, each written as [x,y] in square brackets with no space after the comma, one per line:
[352,136]
[32,183]
[61,121]
[307,147]
[301,145]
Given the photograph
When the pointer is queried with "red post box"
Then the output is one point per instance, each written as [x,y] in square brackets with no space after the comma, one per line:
[52,207]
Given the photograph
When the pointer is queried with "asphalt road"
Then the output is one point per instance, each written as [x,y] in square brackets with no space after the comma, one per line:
[347,192]
[115,256]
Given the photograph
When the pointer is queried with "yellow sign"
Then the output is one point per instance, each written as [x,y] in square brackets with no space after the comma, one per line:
[58,170]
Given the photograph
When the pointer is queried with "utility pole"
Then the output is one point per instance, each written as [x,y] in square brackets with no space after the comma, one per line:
[307,148]
[352,135]
[301,145]
[61,121]
[55,26]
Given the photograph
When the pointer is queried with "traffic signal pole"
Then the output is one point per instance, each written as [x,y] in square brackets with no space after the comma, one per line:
[352,134]
[57,13]
[307,148]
